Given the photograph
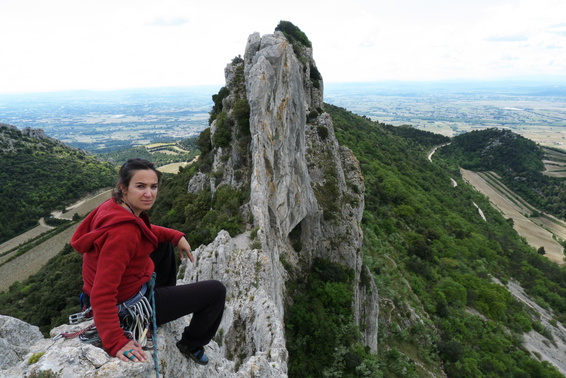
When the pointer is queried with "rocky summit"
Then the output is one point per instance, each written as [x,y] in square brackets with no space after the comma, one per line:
[303,186]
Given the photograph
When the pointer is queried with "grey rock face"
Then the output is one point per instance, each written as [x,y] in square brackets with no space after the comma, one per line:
[16,338]
[34,133]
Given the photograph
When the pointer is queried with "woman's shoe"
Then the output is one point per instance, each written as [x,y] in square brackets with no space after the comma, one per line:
[195,354]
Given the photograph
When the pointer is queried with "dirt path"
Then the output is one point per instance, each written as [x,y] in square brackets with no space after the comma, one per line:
[537,231]
[84,206]
[30,262]
[434,150]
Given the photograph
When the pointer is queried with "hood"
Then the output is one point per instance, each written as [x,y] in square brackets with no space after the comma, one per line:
[105,217]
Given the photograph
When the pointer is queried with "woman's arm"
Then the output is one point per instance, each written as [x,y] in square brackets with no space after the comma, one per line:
[185,248]
[116,248]
[178,239]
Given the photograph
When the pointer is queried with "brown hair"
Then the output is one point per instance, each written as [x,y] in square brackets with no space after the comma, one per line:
[127,172]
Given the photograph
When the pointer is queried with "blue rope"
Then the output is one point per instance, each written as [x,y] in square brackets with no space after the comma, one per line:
[151,286]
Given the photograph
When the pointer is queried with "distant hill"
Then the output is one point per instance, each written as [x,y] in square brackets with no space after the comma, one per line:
[40,174]
[518,160]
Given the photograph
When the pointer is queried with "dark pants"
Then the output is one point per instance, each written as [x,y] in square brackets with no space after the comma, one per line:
[204,299]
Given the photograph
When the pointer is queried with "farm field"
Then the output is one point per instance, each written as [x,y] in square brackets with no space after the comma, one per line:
[538,231]
[30,262]
[555,163]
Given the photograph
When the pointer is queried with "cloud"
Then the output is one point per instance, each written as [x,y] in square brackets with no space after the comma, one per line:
[169,21]
[507,38]
[559,29]
[64,44]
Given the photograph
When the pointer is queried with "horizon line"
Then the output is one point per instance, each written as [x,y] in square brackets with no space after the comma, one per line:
[542,80]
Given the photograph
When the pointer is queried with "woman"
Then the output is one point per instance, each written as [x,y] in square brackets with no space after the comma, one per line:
[121,250]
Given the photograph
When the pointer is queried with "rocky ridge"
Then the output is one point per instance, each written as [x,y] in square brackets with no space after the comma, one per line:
[306,201]
[10,135]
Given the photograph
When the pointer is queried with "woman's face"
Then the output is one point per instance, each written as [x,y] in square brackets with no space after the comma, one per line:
[142,191]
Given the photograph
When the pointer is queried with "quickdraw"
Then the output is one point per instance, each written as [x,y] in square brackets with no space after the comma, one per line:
[137,321]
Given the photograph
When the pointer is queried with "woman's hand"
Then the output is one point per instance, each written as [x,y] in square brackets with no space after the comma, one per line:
[185,249]
[132,348]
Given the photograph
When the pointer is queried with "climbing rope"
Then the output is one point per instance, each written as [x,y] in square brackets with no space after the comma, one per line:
[151,286]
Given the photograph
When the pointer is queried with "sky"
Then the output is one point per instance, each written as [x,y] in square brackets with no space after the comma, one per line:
[116,44]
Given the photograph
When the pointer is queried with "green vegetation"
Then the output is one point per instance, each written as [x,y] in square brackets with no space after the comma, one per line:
[293,34]
[38,176]
[435,260]
[201,216]
[35,357]
[496,149]
[47,298]
[44,374]
[516,159]
[217,107]
[322,337]
[300,42]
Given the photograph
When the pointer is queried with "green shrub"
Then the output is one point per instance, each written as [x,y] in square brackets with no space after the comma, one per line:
[320,325]
[223,134]
[293,33]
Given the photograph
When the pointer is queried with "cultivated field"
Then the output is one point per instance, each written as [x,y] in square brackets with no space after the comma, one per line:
[30,262]
[555,163]
[538,231]
[174,167]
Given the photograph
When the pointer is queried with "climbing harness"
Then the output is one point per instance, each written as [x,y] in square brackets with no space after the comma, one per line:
[137,316]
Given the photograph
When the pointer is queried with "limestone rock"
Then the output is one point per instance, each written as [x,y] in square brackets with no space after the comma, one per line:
[34,133]
[16,339]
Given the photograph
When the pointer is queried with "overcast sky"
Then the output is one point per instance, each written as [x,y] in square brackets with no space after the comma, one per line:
[48,45]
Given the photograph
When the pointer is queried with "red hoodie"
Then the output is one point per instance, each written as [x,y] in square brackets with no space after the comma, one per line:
[116,246]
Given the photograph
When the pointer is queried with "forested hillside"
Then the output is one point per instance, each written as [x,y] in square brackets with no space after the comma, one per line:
[516,159]
[39,174]
[437,262]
